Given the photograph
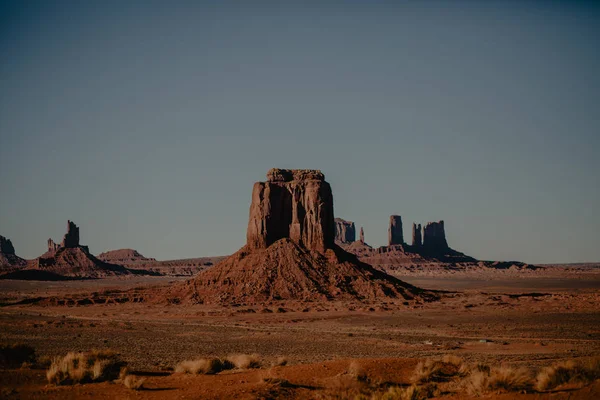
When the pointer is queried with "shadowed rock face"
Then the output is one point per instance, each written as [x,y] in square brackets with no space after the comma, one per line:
[362,235]
[71,239]
[417,240]
[395,235]
[434,237]
[8,259]
[295,204]
[6,246]
[345,232]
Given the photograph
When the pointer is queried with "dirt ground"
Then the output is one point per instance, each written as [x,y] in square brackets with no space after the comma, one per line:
[529,321]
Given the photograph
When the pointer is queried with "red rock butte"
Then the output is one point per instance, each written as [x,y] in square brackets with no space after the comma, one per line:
[291,253]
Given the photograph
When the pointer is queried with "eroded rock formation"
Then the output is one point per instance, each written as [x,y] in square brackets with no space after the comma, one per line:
[71,238]
[295,204]
[362,235]
[417,240]
[434,237]
[291,255]
[6,246]
[52,247]
[8,259]
[345,231]
[395,234]
[71,259]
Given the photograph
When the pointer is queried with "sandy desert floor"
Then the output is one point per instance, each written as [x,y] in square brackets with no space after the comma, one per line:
[528,321]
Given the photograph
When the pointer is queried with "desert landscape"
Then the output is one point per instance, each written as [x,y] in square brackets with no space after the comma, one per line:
[272,200]
[294,315]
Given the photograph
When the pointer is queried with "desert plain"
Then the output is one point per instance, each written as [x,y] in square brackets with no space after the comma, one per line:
[302,311]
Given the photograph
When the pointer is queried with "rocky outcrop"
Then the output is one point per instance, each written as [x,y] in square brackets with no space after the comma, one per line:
[52,247]
[290,253]
[125,257]
[9,261]
[71,238]
[345,232]
[395,234]
[417,240]
[362,235]
[434,237]
[6,246]
[294,204]
[73,260]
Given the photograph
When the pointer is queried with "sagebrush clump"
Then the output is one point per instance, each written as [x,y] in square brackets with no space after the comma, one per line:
[78,367]
[580,372]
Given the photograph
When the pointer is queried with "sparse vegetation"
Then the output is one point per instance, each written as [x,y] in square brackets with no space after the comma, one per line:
[504,378]
[94,366]
[203,366]
[440,370]
[357,371]
[244,361]
[14,356]
[133,382]
[215,365]
[280,362]
[580,372]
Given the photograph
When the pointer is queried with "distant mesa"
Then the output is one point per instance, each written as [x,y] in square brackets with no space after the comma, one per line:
[135,261]
[125,257]
[290,253]
[72,260]
[429,244]
[9,261]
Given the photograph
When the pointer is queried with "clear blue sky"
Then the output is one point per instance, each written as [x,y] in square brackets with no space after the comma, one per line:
[148,122]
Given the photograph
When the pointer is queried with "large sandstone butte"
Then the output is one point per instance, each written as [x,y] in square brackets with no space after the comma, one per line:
[434,237]
[71,260]
[8,259]
[290,253]
[345,231]
[395,234]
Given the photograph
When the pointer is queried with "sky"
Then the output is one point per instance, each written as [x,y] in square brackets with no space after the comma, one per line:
[147,122]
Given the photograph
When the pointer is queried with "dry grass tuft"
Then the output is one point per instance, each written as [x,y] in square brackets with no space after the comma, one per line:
[133,382]
[357,371]
[280,362]
[14,356]
[439,370]
[94,366]
[202,366]
[580,372]
[245,361]
[507,379]
[413,392]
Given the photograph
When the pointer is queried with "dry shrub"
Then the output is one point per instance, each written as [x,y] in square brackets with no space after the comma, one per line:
[579,372]
[280,362]
[506,379]
[244,361]
[13,356]
[357,371]
[413,392]
[94,366]
[133,382]
[439,370]
[203,366]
